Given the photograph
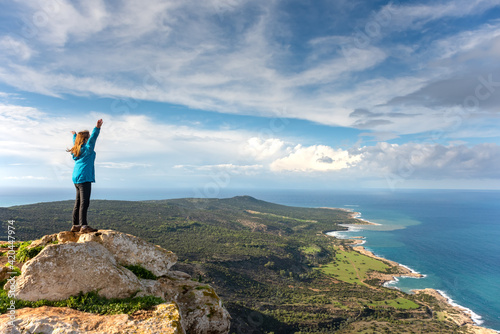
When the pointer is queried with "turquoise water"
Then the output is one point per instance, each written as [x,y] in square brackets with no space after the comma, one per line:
[452,236]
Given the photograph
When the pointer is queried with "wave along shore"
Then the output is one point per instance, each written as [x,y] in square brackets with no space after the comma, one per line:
[475,317]
[463,315]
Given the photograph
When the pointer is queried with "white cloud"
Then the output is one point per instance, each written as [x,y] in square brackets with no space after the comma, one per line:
[331,70]
[20,114]
[224,170]
[479,43]
[414,16]
[121,165]
[58,21]
[432,161]
[412,161]
[26,177]
[315,158]
[263,149]
[15,47]
[21,133]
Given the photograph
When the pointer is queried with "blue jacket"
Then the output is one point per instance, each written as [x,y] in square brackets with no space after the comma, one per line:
[84,170]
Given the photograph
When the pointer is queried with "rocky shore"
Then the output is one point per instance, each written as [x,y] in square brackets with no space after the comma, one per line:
[457,314]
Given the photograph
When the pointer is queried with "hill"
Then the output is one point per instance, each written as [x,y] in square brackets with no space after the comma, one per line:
[273,265]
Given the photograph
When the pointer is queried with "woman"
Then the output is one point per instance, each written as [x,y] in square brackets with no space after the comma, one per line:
[83,175]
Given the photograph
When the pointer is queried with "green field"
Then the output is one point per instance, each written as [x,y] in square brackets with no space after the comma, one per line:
[281,217]
[312,249]
[398,303]
[352,267]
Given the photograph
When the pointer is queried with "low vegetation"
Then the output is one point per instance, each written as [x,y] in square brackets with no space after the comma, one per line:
[140,272]
[87,302]
[24,253]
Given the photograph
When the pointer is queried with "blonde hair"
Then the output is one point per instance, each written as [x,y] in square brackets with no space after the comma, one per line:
[81,138]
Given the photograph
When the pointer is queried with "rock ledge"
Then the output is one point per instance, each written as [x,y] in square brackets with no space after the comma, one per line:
[95,262]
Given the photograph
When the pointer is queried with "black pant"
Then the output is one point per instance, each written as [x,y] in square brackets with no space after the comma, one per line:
[82,203]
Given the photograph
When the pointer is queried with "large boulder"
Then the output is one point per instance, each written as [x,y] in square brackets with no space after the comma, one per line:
[128,249]
[62,270]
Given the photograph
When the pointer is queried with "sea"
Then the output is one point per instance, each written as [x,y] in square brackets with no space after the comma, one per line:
[452,237]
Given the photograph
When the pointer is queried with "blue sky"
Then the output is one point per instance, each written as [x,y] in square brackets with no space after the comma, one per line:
[265,94]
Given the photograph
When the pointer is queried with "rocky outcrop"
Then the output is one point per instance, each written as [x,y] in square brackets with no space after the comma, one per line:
[63,270]
[95,262]
[128,249]
[165,319]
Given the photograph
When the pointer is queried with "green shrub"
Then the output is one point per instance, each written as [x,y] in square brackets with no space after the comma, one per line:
[140,272]
[8,245]
[24,253]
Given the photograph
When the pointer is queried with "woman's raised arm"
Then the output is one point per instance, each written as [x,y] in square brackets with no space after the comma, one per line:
[94,134]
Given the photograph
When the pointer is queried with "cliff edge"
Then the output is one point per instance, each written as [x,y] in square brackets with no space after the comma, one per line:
[73,263]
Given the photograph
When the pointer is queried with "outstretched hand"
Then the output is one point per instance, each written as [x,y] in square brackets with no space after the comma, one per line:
[99,124]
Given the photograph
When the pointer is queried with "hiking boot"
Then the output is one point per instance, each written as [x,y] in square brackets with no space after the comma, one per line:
[75,228]
[87,229]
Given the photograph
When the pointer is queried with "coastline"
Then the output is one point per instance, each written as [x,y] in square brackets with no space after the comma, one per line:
[354,215]
[357,216]
[462,316]
[404,271]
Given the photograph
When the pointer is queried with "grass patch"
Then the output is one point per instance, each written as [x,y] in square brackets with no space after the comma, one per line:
[24,253]
[8,245]
[203,287]
[441,316]
[352,267]
[140,272]
[87,302]
[398,303]
[340,305]
[312,249]
[281,217]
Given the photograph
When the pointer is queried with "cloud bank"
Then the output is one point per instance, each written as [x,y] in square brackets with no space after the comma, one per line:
[156,152]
